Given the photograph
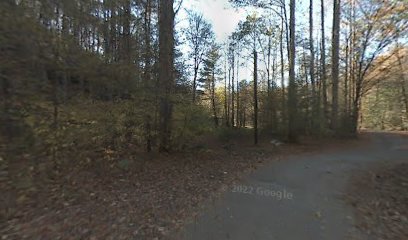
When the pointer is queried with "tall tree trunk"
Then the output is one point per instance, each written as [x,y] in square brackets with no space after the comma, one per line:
[229,97]
[225,95]
[353,60]
[282,71]
[106,35]
[237,81]
[323,67]
[166,70]
[292,134]
[357,99]
[318,81]
[147,75]
[255,96]
[273,87]
[285,21]
[346,80]
[126,45]
[113,32]
[335,64]
[195,79]
[233,91]
[214,108]
[307,118]
[268,78]
[312,65]
[268,70]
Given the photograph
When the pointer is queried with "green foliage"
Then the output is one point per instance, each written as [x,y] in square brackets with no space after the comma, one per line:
[383,109]
[190,121]
[210,67]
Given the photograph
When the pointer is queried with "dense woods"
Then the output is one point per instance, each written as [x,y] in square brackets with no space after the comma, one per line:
[118,59]
[80,78]
[114,73]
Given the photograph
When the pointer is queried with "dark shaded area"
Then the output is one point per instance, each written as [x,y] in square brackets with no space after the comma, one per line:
[380,199]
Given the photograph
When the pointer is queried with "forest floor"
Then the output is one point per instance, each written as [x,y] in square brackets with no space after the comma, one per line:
[379,196]
[150,196]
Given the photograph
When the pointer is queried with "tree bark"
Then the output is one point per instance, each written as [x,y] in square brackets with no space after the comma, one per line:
[196,66]
[126,45]
[225,95]
[214,108]
[237,87]
[335,64]
[147,74]
[282,71]
[312,65]
[229,97]
[346,80]
[233,90]
[255,96]
[292,131]
[323,66]
[166,70]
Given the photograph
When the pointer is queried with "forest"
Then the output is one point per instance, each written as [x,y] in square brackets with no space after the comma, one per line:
[97,85]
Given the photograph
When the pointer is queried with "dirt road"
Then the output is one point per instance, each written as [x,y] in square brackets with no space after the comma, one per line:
[301,197]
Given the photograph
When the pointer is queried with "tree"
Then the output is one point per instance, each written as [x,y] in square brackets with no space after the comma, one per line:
[292,134]
[282,73]
[166,70]
[226,108]
[335,64]
[199,35]
[249,31]
[323,73]
[209,74]
[231,70]
[376,25]
[312,66]
[238,47]
[147,74]
[268,43]
[384,106]
[126,45]
[276,8]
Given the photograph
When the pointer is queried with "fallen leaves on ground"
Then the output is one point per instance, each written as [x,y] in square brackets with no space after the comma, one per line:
[380,200]
[143,197]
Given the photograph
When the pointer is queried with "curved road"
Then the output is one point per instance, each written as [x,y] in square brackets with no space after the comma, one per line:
[299,198]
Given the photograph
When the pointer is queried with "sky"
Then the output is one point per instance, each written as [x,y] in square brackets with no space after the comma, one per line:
[220,13]
[224,19]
